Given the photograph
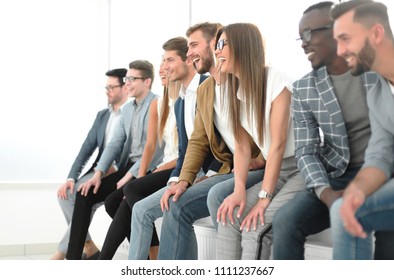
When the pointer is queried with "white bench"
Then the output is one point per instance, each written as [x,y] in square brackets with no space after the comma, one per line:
[317,247]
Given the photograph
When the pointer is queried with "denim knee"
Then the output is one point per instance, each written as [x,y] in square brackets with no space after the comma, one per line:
[213,201]
[138,209]
[175,209]
[282,222]
[335,216]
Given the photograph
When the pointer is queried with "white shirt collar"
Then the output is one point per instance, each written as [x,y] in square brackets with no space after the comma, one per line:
[194,83]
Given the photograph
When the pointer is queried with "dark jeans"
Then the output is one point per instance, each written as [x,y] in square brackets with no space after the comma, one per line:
[305,215]
[133,191]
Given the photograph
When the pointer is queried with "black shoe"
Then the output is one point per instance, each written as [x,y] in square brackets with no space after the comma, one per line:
[92,257]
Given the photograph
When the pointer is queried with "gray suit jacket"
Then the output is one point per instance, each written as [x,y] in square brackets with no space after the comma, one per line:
[119,147]
[314,107]
[94,139]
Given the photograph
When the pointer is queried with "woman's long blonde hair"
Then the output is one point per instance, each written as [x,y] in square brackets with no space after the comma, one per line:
[170,91]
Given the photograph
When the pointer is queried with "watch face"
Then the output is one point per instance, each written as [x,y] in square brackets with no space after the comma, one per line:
[263,194]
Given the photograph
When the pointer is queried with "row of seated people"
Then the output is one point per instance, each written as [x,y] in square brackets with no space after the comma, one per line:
[265,158]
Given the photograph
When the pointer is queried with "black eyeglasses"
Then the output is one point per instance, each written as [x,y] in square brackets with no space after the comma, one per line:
[306,35]
[220,45]
[132,78]
[111,87]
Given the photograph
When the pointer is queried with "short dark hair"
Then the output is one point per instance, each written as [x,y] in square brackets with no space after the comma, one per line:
[344,7]
[178,44]
[320,6]
[366,12]
[145,67]
[119,73]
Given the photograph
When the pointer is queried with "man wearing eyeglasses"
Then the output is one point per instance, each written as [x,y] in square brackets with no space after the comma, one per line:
[125,147]
[98,136]
[331,130]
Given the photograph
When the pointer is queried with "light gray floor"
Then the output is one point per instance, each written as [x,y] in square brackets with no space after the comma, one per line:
[118,256]
[26,257]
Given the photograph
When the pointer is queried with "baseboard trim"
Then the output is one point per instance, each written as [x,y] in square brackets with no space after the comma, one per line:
[27,249]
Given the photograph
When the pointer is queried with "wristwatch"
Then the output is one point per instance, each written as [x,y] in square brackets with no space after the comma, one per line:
[264,194]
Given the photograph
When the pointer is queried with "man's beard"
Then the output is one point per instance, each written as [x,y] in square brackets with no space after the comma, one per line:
[365,59]
[206,61]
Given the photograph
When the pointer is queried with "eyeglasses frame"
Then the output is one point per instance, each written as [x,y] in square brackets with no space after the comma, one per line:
[220,44]
[308,33]
[132,78]
[111,87]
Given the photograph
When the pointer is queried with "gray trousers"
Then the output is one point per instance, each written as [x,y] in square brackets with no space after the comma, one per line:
[67,206]
[232,243]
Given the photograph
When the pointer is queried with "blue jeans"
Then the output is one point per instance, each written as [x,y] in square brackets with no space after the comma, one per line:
[376,214]
[177,226]
[220,191]
[145,213]
[302,216]
[177,239]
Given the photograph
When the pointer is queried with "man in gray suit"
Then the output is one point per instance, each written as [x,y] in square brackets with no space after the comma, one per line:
[125,147]
[97,138]
[331,130]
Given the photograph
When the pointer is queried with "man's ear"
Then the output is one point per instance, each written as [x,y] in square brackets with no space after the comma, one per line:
[212,43]
[378,33]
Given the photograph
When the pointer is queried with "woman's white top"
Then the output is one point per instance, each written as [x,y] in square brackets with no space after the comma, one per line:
[170,137]
[276,82]
[220,119]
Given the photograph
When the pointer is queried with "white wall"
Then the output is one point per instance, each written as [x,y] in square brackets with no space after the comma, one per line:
[53,59]
[30,214]
[27,209]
